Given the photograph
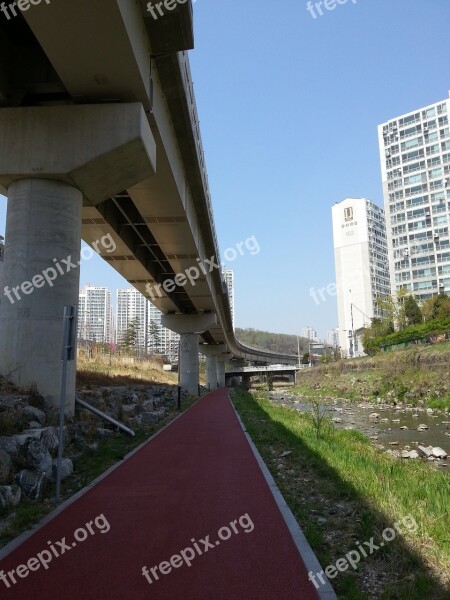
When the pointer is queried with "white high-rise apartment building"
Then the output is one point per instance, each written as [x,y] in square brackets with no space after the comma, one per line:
[415,167]
[131,305]
[95,321]
[152,336]
[309,333]
[333,338]
[229,279]
[362,269]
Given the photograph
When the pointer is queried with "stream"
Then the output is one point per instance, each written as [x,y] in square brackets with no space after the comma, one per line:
[385,430]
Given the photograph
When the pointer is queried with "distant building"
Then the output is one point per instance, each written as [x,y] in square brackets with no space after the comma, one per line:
[333,338]
[415,168]
[309,333]
[95,322]
[229,279]
[362,269]
[151,335]
[131,306]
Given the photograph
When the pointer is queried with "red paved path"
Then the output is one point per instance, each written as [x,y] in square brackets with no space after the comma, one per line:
[197,476]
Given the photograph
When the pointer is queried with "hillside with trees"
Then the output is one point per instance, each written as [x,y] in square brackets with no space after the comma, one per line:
[275,342]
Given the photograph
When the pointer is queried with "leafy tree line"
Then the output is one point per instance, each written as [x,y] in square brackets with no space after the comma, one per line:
[405,320]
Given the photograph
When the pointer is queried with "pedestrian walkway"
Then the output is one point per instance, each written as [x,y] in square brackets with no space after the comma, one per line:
[188,516]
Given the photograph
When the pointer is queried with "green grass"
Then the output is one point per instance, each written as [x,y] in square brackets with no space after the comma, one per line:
[344,467]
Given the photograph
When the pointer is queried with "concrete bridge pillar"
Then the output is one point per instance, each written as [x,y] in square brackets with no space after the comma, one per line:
[211,372]
[56,159]
[221,360]
[43,223]
[189,327]
[246,382]
[212,353]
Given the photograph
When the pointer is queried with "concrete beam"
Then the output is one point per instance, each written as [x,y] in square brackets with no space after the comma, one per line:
[99,149]
[189,323]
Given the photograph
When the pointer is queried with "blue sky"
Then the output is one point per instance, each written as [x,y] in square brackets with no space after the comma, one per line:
[289,107]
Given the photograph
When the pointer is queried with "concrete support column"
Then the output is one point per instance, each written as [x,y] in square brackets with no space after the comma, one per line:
[246,384]
[43,229]
[212,354]
[221,360]
[189,327]
[188,367]
[211,372]
[221,373]
[57,158]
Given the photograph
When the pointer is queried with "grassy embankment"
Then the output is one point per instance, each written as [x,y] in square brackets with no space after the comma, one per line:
[419,375]
[93,462]
[343,491]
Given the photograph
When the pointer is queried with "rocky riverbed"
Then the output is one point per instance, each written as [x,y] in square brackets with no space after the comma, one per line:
[404,431]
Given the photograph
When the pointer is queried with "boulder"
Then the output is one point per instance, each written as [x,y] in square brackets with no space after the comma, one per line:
[38,458]
[66,468]
[426,451]
[32,483]
[105,433]
[409,454]
[50,438]
[148,418]
[422,427]
[10,495]
[439,452]
[34,414]
[9,445]
[5,466]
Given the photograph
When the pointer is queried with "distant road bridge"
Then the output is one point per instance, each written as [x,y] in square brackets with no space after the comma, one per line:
[265,372]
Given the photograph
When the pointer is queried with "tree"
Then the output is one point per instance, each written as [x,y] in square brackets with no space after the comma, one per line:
[437,307]
[154,338]
[441,308]
[413,314]
[130,337]
[427,308]
[394,308]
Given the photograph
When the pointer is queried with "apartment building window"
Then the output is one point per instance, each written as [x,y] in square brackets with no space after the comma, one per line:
[429,113]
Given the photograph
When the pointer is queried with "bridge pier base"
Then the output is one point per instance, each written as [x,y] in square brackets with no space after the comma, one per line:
[43,229]
[246,382]
[221,360]
[212,354]
[211,373]
[189,327]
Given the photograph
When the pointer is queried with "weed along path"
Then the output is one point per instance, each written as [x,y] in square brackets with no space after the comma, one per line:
[187,516]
